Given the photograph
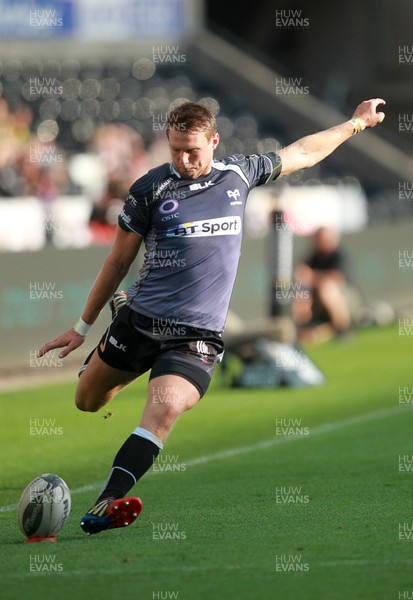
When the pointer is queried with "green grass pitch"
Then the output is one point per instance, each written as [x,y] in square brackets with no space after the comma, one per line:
[246,512]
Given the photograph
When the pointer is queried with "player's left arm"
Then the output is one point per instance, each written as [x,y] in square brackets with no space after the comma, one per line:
[310,150]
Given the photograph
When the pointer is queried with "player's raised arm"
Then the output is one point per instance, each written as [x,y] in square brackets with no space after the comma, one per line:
[310,150]
[115,267]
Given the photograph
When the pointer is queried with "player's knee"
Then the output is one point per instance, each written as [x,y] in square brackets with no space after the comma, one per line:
[171,412]
[86,403]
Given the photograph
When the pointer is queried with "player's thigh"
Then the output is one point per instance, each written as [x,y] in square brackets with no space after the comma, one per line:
[330,291]
[169,396]
[99,382]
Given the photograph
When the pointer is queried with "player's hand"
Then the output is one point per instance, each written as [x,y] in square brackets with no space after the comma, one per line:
[367,111]
[68,341]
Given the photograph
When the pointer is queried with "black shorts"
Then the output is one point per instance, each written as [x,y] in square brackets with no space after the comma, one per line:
[134,342]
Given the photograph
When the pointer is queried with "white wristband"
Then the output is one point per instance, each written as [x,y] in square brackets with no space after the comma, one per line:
[82,327]
[358,124]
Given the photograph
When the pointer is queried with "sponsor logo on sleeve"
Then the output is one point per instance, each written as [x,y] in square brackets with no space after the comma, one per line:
[132,200]
[126,218]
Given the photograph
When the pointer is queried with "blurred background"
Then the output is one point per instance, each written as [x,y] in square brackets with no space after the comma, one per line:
[85,88]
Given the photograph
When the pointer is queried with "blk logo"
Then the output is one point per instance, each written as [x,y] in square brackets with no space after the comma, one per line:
[117,344]
[201,186]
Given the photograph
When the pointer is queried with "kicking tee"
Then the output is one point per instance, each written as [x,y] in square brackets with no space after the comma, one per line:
[192,229]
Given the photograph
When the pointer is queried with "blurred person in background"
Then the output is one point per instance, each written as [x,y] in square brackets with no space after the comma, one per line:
[43,174]
[121,152]
[14,135]
[104,215]
[324,278]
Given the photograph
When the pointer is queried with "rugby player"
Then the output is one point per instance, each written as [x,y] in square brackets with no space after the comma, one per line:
[189,213]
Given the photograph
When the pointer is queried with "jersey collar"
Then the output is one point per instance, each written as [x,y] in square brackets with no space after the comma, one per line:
[174,171]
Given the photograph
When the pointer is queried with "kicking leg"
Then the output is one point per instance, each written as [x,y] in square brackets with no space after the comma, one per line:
[168,397]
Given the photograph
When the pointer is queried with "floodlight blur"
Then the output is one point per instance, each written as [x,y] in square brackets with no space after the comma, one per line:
[143,108]
[90,88]
[109,88]
[70,110]
[143,69]
[225,127]
[49,109]
[47,130]
[71,89]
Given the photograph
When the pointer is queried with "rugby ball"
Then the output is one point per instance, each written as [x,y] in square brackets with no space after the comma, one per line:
[44,506]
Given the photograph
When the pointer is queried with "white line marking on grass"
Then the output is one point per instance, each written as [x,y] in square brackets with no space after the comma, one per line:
[314,431]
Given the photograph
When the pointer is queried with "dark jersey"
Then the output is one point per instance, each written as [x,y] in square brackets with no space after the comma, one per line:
[192,230]
[333,261]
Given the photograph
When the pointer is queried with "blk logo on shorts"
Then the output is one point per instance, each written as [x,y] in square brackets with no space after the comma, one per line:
[117,344]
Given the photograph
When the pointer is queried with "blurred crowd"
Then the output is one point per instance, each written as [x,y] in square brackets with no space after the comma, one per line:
[92,128]
[24,170]
[33,164]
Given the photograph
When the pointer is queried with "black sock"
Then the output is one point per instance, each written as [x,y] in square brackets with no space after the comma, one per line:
[134,458]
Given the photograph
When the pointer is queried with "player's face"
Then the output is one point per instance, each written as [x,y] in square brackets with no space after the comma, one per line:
[192,153]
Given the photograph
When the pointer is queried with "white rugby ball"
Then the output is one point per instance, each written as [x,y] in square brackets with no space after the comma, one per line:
[44,506]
